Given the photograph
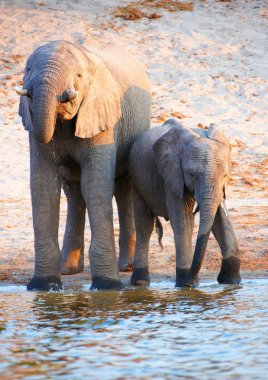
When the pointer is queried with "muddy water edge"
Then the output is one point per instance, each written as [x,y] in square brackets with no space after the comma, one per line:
[152,333]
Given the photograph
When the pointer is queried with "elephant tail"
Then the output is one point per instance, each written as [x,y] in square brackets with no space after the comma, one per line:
[159,231]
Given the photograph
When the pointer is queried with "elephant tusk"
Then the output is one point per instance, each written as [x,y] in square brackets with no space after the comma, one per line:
[67,96]
[21,91]
[72,95]
[224,208]
[195,209]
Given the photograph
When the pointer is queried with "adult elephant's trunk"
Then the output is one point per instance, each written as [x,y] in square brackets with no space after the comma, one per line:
[44,113]
[208,209]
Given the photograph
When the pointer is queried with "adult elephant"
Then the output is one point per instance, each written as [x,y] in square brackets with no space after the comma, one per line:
[182,167]
[83,108]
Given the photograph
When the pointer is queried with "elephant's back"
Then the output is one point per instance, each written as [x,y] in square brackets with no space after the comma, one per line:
[126,69]
[144,143]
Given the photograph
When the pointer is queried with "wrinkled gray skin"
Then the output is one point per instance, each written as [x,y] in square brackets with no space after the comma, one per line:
[172,167]
[82,135]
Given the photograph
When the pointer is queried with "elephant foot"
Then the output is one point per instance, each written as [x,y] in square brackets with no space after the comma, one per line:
[104,283]
[229,273]
[181,279]
[45,283]
[140,277]
[73,262]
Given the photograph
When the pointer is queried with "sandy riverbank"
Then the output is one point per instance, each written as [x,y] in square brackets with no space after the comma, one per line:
[206,64]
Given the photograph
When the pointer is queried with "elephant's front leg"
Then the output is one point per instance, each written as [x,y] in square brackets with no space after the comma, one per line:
[45,193]
[223,231]
[127,234]
[72,254]
[182,222]
[97,181]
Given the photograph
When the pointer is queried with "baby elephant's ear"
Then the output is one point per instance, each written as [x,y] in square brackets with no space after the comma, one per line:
[215,133]
[167,157]
[25,113]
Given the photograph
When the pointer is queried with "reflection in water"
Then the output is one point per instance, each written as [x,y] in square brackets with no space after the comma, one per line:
[151,333]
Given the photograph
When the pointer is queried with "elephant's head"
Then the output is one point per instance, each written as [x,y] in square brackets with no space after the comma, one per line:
[200,162]
[65,81]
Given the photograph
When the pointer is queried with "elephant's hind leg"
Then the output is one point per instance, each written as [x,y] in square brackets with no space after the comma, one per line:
[72,255]
[127,234]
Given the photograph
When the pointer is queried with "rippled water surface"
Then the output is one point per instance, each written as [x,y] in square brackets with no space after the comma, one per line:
[215,332]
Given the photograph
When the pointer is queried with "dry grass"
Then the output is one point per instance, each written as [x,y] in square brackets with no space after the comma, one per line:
[140,9]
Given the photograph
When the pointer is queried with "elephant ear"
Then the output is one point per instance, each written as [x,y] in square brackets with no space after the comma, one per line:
[215,133]
[100,109]
[167,157]
[25,113]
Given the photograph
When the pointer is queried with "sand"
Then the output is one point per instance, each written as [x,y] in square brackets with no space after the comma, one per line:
[207,63]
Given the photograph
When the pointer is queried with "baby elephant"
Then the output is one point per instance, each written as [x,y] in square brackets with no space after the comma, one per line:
[177,172]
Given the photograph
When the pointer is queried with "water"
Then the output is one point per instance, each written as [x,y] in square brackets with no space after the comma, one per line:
[215,332]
